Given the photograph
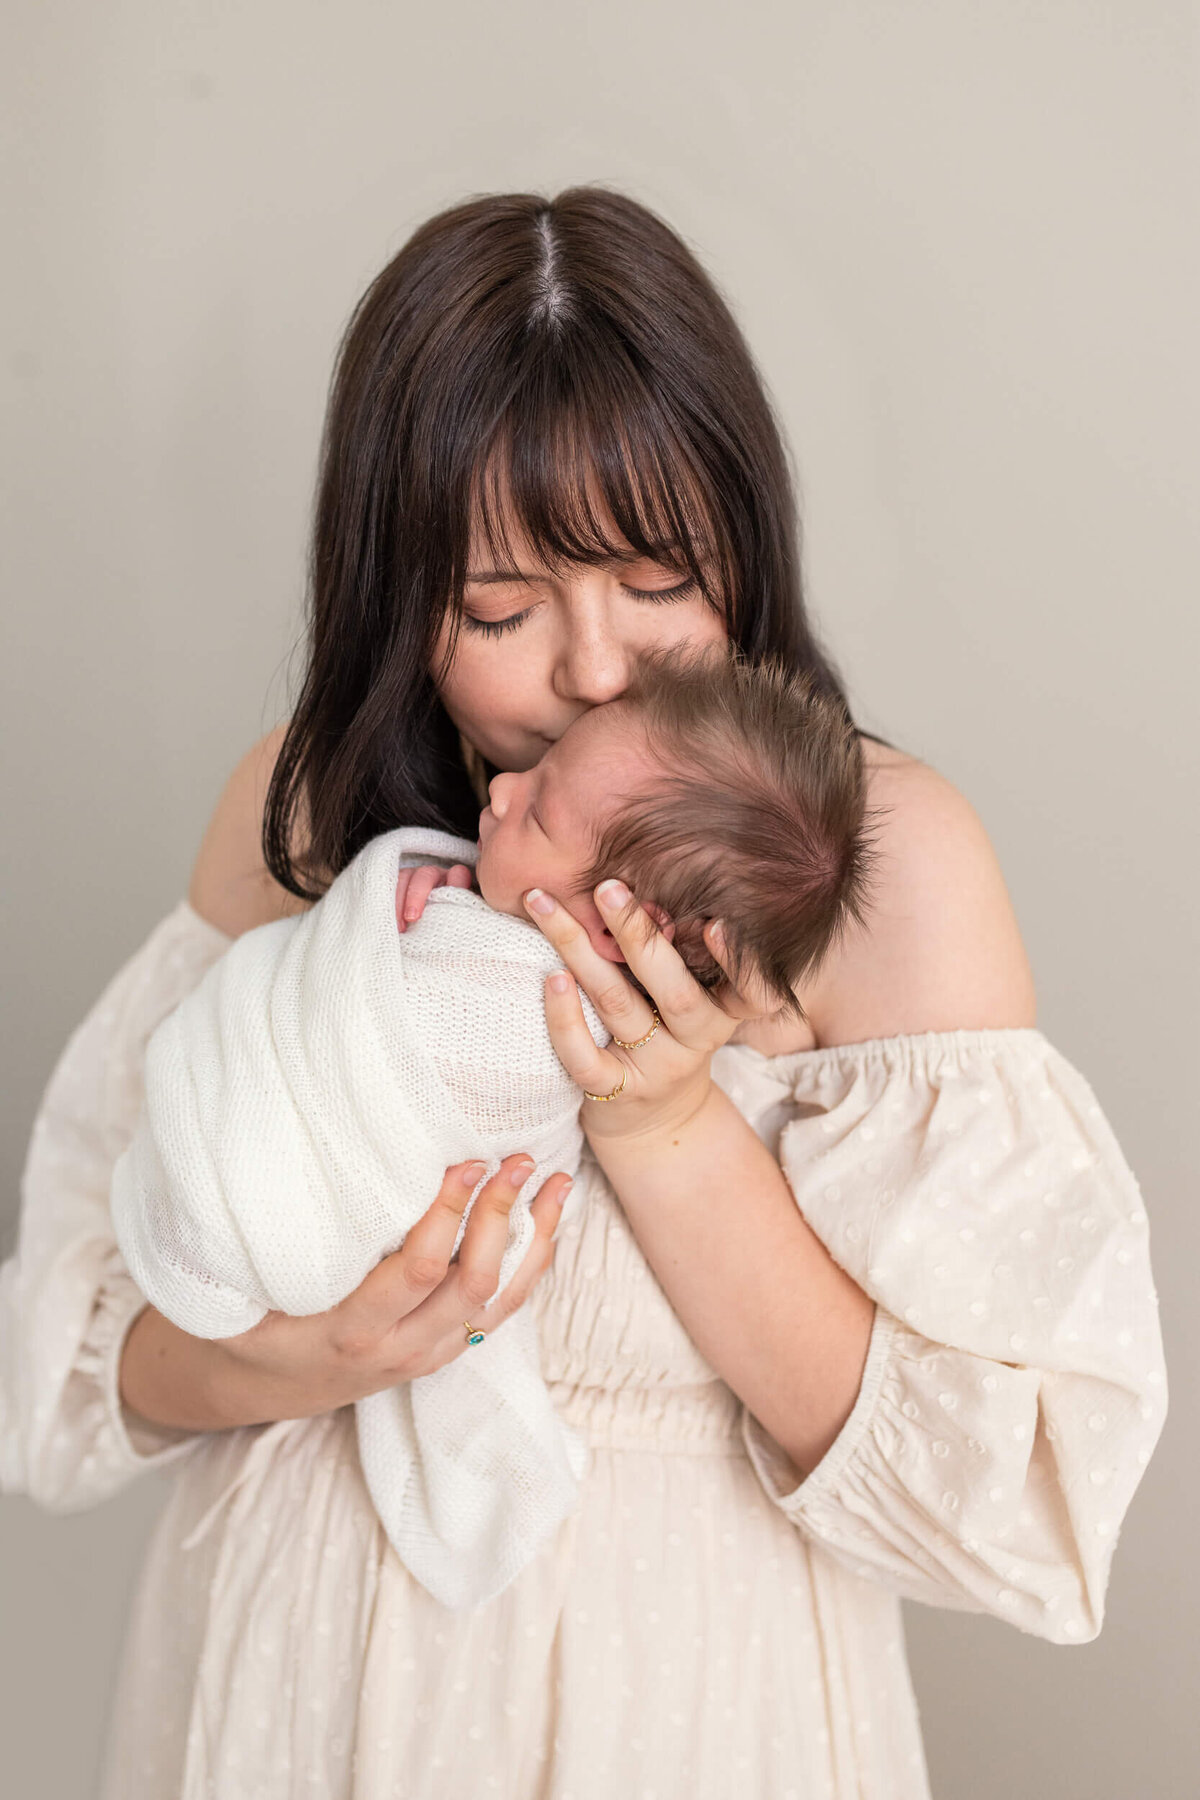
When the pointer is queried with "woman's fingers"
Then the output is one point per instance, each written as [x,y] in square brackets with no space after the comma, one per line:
[420,1298]
[406,1317]
[402,1281]
[687,1011]
[546,1211]
[595,1070]
[624,1011]
[486,1236]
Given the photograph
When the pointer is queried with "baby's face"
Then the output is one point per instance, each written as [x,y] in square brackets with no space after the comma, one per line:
[542,825]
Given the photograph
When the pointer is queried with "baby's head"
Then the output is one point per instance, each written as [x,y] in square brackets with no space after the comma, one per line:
[714,788]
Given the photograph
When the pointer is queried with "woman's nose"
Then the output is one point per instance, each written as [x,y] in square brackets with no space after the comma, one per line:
[594,663]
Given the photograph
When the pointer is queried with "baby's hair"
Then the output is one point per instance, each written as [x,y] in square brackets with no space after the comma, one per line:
[758,818]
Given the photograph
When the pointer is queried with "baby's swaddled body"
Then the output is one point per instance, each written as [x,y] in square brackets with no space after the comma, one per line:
[302,1107]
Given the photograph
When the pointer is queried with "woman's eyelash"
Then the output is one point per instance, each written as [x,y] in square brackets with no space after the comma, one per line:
[496,627]
[674,593]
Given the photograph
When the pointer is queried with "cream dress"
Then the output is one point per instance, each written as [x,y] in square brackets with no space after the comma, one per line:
[706,1625]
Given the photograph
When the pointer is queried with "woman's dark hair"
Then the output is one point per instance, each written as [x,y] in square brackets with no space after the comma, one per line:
[526,351]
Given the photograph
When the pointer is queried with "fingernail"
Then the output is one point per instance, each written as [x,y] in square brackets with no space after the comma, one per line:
[612,894]
[567,1186]
[560,982]
[538,902]
[472,1173]
[520,1175]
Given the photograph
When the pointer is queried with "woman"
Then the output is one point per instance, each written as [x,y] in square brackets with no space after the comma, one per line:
[925,1364]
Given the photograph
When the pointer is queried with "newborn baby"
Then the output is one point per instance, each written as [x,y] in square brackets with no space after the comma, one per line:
[714,789]
[303,1103]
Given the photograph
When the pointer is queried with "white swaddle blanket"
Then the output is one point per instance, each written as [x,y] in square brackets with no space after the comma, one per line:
[301,1108]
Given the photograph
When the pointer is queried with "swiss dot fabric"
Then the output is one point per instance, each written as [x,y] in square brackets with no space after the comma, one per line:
[706,1623]
[970,1184]
[302,1107]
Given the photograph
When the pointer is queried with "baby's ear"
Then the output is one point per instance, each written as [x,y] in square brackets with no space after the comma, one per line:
[661,917]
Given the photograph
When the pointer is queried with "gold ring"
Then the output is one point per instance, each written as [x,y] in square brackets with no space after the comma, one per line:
[638,1042]
[616,1090]
[474,1335]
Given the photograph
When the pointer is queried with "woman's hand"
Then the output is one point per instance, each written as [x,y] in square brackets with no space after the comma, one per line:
[414,887]
[667,1078]
[405,1319]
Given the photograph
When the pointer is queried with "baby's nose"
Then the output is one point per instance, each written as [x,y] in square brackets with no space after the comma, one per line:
[498,795]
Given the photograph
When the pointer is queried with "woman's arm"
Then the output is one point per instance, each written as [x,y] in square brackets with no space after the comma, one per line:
[971,1190]
[1016,1385]
[169,1379]
[67,1300]
[404,1320]
[166,1376]
[757,1291]
[231,886]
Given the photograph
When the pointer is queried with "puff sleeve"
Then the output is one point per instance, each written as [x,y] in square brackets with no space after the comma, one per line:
[1015,1385]
[67,1299]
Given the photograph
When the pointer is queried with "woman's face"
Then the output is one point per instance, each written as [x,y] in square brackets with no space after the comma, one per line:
[536,649]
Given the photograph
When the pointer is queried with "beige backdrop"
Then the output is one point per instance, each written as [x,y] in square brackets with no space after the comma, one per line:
[960,236]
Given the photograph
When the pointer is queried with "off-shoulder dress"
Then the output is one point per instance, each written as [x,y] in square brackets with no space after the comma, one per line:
[706,1624]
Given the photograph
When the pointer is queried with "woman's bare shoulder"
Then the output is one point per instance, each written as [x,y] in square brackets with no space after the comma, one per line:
[231,886]
[941,949]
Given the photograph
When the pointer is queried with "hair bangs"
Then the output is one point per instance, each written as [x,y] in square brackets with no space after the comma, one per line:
[562,375]
[586,467]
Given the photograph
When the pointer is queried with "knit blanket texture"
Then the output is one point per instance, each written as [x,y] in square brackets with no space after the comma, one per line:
[301,1108]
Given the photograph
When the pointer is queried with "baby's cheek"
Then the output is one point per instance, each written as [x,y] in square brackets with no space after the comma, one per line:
[507,870]
[489,879]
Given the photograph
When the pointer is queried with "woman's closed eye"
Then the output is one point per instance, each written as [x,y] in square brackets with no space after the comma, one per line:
[657,596]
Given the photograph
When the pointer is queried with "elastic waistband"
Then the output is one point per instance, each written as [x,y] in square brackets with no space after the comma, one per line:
[700,1421]
[688,1421]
